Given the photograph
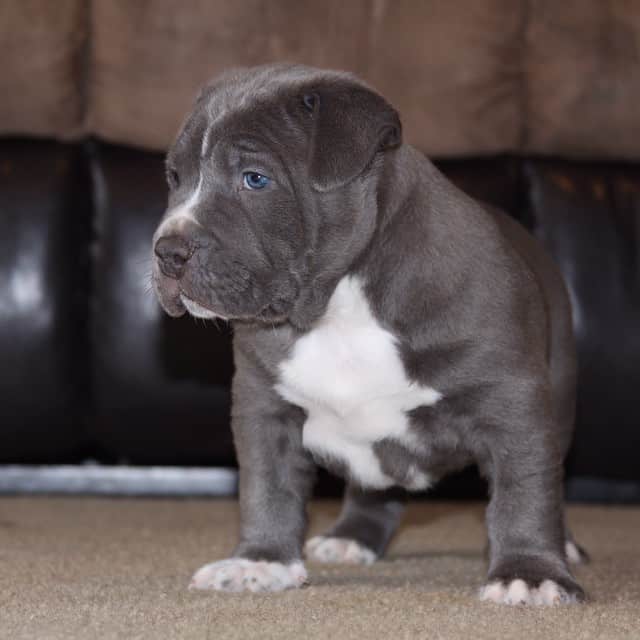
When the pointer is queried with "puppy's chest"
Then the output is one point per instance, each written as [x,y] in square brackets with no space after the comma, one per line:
[348,376]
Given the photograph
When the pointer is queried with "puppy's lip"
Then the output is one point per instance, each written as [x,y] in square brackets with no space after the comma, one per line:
[198,310]
[175,308]
[168,295]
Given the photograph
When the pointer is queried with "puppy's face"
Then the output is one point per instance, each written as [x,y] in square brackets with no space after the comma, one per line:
[266,181]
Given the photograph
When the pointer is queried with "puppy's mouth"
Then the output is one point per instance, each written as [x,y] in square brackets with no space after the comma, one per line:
[176,298]
[175,301]
[168,294]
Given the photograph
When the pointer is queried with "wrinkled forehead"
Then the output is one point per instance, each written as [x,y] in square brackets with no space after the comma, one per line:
[244,100]
[238,89]
[236,104]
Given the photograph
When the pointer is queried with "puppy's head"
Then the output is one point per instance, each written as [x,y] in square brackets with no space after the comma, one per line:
[271,193]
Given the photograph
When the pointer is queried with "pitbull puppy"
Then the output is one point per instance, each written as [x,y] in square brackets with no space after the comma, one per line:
[386,326]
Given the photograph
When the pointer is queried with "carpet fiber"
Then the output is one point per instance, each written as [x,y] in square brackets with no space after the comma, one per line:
[99,568]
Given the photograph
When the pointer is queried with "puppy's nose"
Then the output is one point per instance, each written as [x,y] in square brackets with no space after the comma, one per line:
[173,253]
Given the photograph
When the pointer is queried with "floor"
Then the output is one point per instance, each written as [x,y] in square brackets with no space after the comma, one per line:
[118,568]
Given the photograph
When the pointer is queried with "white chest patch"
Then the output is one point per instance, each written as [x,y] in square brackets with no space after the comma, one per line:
[347,374]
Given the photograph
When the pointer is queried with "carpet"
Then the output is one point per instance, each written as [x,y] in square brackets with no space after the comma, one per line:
[116,568]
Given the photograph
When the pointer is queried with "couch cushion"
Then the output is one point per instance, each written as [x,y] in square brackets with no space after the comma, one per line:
[448,67]
[588,217]
[584,78]
[451,69]
[150,58]
[160,384]
[41,48]
[43,293]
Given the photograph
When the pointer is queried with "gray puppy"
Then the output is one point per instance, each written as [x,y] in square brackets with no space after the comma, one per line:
[386,326]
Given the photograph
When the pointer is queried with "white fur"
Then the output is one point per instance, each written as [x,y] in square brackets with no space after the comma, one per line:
[548,594]
[205,141]
[338,550]
[239,574]
[347,374]
[176,217]
[187,207]
[572,553]
[197,310]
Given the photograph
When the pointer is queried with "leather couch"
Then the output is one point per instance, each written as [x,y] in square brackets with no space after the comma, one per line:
[528,105]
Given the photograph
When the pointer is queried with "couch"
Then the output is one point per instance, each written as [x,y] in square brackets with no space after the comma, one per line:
[528,104]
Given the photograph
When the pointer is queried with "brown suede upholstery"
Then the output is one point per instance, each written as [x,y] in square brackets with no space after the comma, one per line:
[150,57]
[583,68]
[449,68]
[41,79]
[469,77]
[445,65]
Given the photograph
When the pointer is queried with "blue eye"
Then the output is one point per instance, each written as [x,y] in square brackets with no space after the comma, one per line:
[253,180]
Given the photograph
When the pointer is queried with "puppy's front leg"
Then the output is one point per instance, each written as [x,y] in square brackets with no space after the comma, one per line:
[276,478]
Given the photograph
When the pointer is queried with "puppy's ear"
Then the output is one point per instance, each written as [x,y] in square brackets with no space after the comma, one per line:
[351,123]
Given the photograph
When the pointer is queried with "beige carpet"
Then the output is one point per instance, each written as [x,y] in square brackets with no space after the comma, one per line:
[88,568]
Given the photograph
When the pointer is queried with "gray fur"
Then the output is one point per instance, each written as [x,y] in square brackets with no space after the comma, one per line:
[479,311]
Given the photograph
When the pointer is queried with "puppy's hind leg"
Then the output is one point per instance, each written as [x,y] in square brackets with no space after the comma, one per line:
[528,562]
[363,530]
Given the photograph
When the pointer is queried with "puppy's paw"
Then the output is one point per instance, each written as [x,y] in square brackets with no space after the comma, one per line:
[548,593]
[338,550]
[238,574]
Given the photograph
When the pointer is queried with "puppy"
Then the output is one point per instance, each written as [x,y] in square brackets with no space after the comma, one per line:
[386,326]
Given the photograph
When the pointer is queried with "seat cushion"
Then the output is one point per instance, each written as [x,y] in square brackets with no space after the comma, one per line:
[42,48]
